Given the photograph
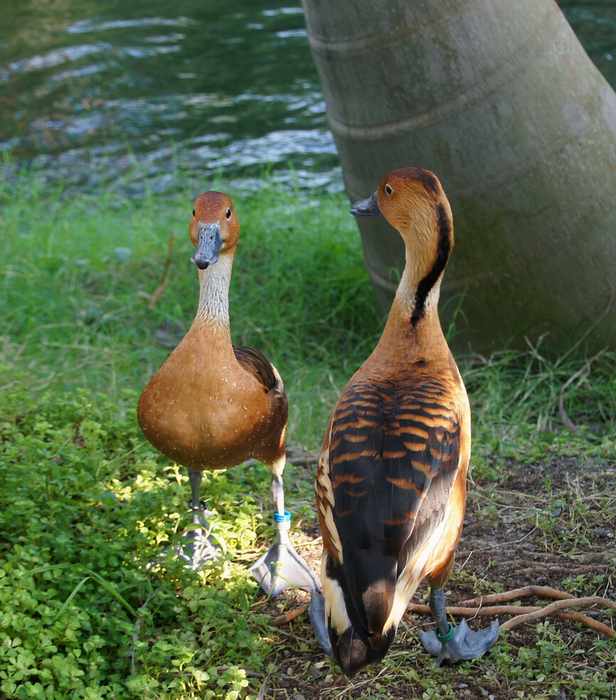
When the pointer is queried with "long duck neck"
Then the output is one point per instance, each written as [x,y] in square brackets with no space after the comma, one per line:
[212,317]
[214,292]
[413,326]
[413,329]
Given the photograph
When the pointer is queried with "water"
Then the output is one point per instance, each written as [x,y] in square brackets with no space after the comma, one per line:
[119,94]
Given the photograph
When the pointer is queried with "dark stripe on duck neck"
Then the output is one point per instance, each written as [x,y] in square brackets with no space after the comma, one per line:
[442,254]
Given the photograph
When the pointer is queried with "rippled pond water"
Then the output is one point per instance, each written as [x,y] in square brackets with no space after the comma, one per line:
[125,92]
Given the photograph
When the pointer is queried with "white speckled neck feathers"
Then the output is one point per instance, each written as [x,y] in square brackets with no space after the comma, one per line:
[214,292]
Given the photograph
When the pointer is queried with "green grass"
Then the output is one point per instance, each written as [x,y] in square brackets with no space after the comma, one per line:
[86,505]
[79,273]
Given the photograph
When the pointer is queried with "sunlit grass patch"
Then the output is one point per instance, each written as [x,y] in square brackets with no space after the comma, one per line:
[85,508]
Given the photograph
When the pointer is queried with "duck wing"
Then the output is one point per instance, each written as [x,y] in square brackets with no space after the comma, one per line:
[383,484]
[257,364]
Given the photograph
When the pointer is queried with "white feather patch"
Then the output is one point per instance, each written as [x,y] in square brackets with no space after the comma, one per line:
[327,502]
[335,607]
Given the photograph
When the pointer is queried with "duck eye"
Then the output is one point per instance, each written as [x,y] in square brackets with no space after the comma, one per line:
[389,190]
[193,212]
[228,214]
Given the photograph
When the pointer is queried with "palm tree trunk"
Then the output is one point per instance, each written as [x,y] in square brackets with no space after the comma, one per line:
[501,101]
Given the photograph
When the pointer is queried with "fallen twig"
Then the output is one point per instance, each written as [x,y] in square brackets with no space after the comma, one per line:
[289,616]
[563,601]
[514,594]
[523,613]
[599,627]
[519,611]
[471,611]
[556,607]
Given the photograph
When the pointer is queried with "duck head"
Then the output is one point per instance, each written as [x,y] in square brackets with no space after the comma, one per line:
[413,201]
[214,228]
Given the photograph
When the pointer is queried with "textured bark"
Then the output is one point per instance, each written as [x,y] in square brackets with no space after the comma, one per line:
[500,100]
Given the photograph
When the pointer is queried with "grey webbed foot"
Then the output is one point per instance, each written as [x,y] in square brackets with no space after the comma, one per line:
[460,643]
[199,546]
[281,566]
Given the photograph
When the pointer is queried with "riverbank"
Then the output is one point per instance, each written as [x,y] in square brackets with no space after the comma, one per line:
[86,505]
[110,94]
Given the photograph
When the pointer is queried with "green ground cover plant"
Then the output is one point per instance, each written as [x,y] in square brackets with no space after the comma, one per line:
[90,607]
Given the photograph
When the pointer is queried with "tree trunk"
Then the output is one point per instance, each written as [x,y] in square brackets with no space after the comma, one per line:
[500,100]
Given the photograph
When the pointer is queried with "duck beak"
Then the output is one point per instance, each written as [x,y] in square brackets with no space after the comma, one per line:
[366,207]
[208,246]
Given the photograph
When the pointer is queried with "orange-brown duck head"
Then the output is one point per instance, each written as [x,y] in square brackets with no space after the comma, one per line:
[214,228]
[413,201]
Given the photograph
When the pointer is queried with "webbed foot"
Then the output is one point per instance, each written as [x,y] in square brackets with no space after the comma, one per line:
[460,643]
[281,566]
[198,547]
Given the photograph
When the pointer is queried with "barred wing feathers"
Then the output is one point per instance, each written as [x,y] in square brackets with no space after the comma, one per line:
[383,486]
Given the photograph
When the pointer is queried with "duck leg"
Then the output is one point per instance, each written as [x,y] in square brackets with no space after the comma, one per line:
[200,548]
[455,643]
[282,567]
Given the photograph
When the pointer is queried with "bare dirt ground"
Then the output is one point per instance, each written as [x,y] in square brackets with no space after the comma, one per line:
[551,523]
